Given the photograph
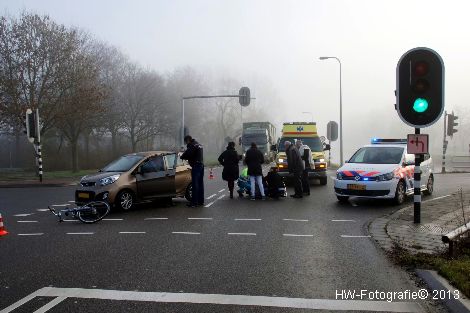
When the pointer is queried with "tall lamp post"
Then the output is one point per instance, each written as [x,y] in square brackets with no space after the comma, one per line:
[311,114]
[340,110]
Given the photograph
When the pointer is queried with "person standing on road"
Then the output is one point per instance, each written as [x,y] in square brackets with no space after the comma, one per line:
[229,160]
[306,155]
[296,166]
[253,159]
[194,156]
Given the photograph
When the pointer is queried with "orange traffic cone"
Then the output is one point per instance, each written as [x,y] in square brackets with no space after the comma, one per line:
[3,231]
[211,174]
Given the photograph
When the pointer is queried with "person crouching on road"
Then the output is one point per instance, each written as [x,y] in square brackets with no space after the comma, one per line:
[306,156]
[253,159]
[296,166]
[229,160]
[194,155]
[274,181]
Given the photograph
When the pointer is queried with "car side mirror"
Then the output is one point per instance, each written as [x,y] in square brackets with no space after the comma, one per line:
[326,147]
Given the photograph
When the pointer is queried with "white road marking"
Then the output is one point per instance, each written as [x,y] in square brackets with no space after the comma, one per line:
[220,197]
[294,220]
[79,233]
[61,204]
[132,232]
[185,233]
[199,218]
[31,234]
[71,221]
[209,204]
[222,190]
[27,221]
[352,236]
[72,201]
[42,210]
[242,234]
[23,215]
[248,219]
[50,304]
[211,196]
[112,219]
[437,198]
[221,299]
[155,218]
[343,220]
[296,235]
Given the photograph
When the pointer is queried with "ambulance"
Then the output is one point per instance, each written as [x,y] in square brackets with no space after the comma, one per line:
[307,132]
[384,169]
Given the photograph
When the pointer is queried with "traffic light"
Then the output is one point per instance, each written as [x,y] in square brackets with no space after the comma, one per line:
[451,124]
[31,126]
[244,96]
[420,87]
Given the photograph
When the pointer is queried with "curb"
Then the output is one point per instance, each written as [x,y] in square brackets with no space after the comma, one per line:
[439,285]
[36,185]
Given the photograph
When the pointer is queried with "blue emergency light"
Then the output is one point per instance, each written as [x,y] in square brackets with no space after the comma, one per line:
[388,141]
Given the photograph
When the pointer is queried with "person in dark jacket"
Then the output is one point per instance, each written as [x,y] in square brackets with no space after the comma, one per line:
[296,166]
[194,155]
[253,159]
[229,160]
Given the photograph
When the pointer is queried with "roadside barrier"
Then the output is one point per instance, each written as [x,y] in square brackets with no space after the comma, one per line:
[3,231]
[454,236]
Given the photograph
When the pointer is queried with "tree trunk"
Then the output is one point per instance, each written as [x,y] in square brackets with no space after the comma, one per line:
[87,150]
[74,145]
[17,156]
[114,144]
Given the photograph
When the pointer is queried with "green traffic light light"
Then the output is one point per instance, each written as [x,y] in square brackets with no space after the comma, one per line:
[420,105]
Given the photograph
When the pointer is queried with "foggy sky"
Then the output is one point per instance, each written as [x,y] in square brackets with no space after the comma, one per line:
[281,41]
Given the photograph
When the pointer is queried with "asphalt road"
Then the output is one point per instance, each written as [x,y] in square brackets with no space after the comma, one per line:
[231,256]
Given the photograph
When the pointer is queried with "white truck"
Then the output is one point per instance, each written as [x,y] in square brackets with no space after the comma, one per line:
[261,133]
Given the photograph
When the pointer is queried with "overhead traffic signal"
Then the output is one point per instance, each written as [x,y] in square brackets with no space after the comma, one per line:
[244,96]
[451,124]
[420,87]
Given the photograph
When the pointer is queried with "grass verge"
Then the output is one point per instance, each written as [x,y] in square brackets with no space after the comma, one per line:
[20,175]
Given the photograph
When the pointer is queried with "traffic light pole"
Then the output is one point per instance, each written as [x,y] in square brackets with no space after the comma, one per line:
[39,153]
[417,186]
[444,144]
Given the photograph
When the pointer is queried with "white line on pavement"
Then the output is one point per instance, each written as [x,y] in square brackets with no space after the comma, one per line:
[71,221]
[343,220]
[220,197]
[220,299]
[294,220]
[61,204]
[437,198]
[79,233]
[71,201]
[352,236]
[211,196]
[242,234]
[50,304]
[42,210]
[185,233]
[31,234]
[296,235]
[23,215]
[248,219]
[155,218]
[27,221]
[221,190]
[199,218]
[112,219]
[209,204]
[132,232]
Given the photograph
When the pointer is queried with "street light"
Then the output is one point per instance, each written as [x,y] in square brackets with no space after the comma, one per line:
[340,110]
[311,114]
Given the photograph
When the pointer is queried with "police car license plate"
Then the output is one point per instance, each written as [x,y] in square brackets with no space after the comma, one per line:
[84,195]
[356,187]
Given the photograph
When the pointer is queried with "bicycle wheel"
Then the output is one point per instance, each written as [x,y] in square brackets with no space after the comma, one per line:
[93,212]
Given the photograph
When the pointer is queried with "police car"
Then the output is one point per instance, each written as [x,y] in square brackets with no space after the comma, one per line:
[382,169]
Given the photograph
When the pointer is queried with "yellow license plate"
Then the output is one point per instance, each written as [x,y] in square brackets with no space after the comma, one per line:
[84,195]
[356,187]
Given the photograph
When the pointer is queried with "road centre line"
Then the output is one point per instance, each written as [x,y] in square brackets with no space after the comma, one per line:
[132,232]
[61,204]
[242,234]
[71,221]
[42,210]
[222,190]
[199,218]
[220,197]
[27,221]
[185,233]
[72,201]
[80,233]
[294,220]
[112,219]
[209,204]
[353,236]
[343,220]
[155,218]
[221,299]
[31,234]
[211,196]
[247,219]
[23,215]
[296,235]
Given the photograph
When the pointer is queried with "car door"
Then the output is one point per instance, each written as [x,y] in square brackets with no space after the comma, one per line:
[154,179]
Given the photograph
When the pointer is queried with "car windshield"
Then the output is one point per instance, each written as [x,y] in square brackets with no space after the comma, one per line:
[378,155]
[258,137]
[314,143]
[123,164]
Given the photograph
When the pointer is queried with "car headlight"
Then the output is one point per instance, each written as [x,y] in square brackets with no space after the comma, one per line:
[109,180]
[281,160]
[339,176]
[385,177]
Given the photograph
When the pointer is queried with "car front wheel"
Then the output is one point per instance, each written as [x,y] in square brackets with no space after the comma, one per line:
[429,186]
[125,200]
[189,192]
[400,193]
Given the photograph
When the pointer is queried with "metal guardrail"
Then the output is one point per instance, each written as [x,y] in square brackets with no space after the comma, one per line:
[454,235]
[460,161]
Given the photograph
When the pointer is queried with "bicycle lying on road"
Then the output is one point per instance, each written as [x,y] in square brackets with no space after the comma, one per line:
[88,213]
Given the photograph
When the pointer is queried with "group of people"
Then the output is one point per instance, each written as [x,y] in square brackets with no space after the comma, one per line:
[298,160]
